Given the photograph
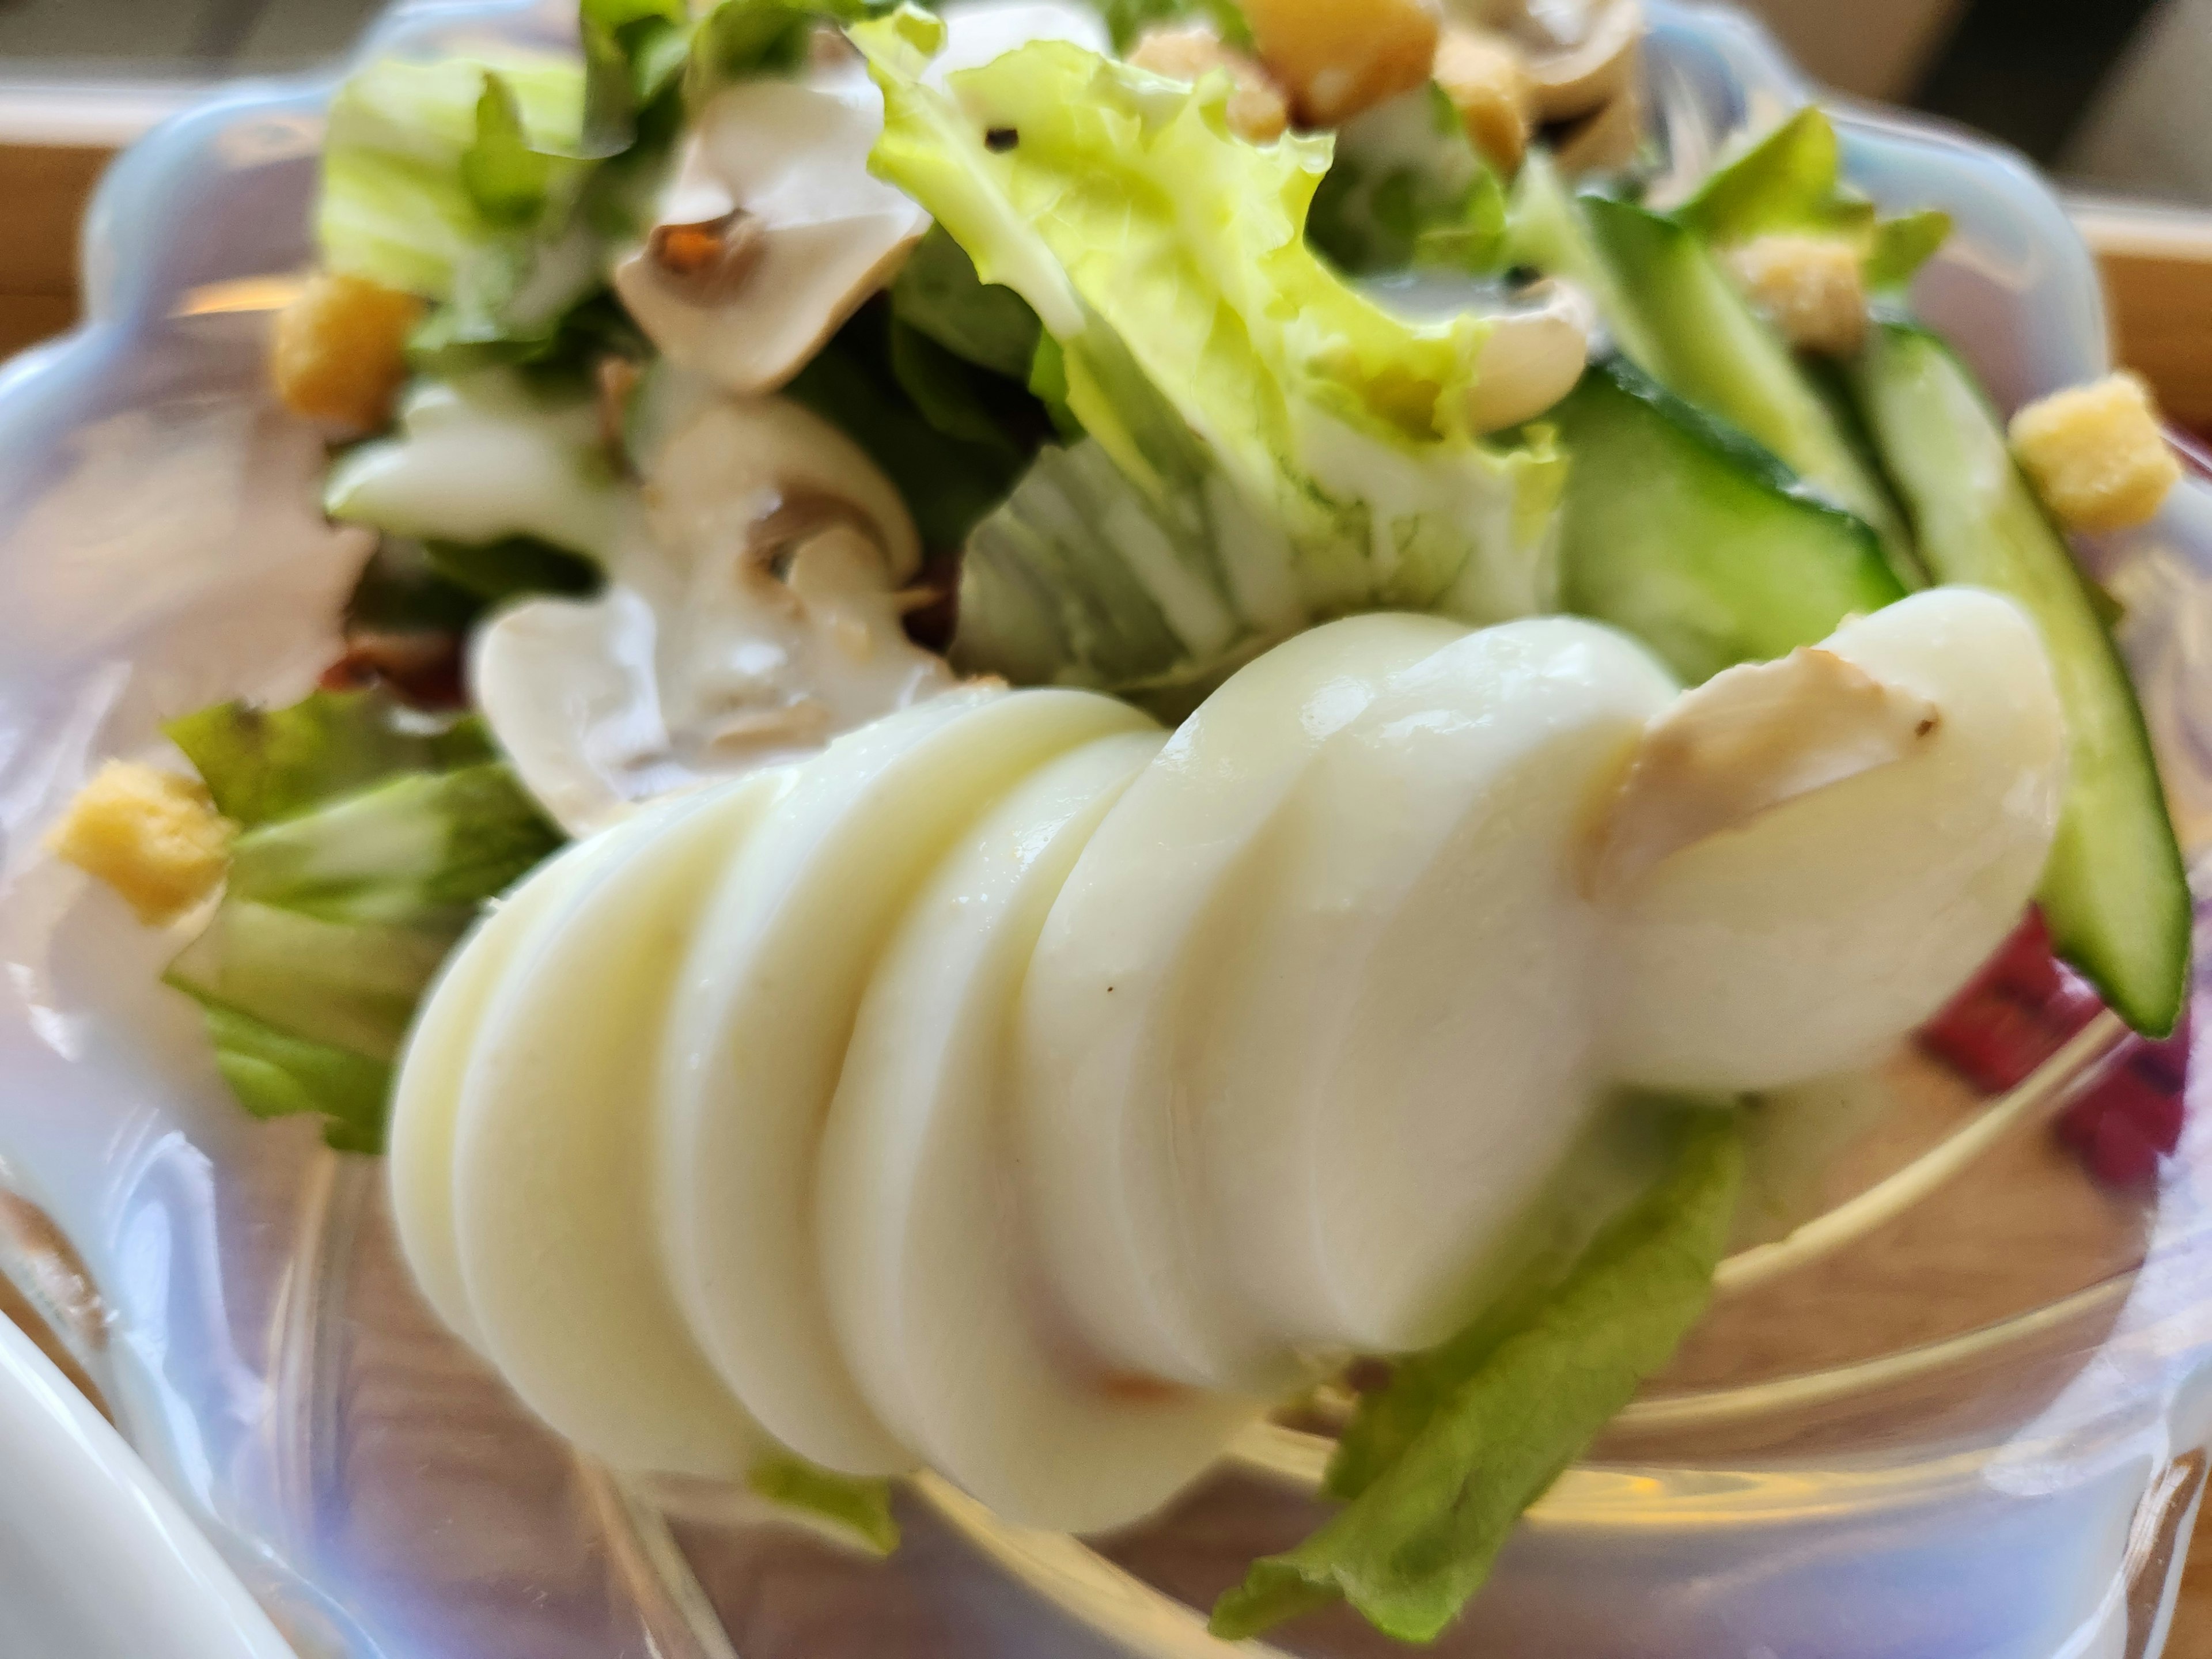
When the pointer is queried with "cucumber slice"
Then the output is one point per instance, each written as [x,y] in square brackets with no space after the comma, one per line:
[2115,892]
[1693,538]
[1709,346]
[1545,231]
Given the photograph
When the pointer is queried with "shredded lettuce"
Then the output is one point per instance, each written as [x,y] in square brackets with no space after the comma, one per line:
[370,840]
[1406,189]
[1435,1468]
[1791,181]
[1309,448]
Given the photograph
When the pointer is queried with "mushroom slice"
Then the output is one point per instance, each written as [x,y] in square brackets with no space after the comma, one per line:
[752,612]
[1583,53]
[1745,742]
[1533,357]
[1536,349]
[773,234]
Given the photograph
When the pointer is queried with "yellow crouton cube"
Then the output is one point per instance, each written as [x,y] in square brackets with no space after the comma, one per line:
[1258,112]
[152,835]
[1338,57]
[1487,80]
[1813,286]
[2095,453]
[339,351]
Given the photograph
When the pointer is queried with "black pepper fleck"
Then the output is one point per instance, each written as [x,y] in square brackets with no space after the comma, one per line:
[999,140]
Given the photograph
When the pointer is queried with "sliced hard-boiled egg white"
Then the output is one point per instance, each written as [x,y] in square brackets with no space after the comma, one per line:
[1400,1047]
[1122,993]
[1803,938]
[426,1092]
[553,1161]
[927,1252]
[757,1036]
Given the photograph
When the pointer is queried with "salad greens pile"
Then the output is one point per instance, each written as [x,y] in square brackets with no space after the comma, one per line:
[369,839]
[1160,392]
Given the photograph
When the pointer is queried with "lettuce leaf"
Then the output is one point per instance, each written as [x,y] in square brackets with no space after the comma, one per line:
[634,52]
[1791,181]
[1406,189]
[418,151]
[1235,380]
[853,1510]
[1438,1466]
[938,293]
[370,840]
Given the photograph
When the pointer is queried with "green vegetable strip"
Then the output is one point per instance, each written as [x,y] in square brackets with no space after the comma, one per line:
[2115,892]
[1470,1435]
[369,843]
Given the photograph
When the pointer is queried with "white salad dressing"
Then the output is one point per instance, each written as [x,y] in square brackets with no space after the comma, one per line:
[482,457]
[752,612]
[1036,1094]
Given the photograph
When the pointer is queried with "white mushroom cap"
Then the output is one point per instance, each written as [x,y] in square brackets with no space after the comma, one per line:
[775,231]
[1537,347]
[752,612]
[776,171]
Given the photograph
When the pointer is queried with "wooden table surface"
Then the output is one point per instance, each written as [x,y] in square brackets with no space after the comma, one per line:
[2158,272]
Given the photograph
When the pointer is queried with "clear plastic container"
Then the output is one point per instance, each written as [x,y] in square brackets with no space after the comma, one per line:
[1956,1412]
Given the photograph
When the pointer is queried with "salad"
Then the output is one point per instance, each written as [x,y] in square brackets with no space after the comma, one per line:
[1067,716]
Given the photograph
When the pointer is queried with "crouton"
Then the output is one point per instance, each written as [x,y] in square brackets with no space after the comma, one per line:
[2095,453]
[1488,79]
[1338,57]
[1258,112]
[1813,286]
[339,351]
[152,835]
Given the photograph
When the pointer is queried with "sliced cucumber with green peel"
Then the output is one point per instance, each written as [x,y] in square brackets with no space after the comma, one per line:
[1685,533]
[1546,230]
[1708,345]
[2115,893]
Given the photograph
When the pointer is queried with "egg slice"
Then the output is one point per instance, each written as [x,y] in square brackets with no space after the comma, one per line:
[1400,1056]
[427,1093]
[757,1033]
[1805,938]
[926,1243]
[1124,985]
[553,1161]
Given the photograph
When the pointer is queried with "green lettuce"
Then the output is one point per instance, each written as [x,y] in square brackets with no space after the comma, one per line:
[1435,1468]
[1298,451]
[1791,182]
[855,1510]
[1407,189]
[369,839]
[952,436]
[440,175]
